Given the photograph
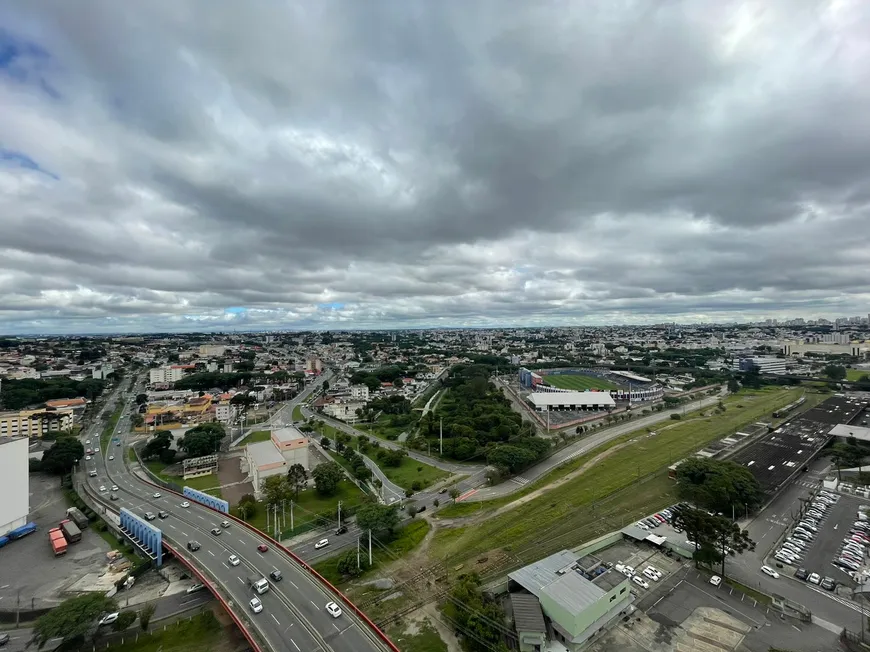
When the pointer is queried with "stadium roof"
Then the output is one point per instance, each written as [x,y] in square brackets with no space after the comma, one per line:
[631,376]
[558,399]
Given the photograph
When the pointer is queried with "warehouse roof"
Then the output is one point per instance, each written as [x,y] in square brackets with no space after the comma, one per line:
[264,452]
[528,616]
[571,398]
[555,577]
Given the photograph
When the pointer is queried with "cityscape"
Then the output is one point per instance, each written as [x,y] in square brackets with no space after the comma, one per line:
[434,327]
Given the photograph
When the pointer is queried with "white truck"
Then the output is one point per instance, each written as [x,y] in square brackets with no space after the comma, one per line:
[259,584]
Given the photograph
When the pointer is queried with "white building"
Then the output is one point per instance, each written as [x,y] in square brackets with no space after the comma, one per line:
[344,410]
[292,444]
[212,350]
[263,460]
[16,485]
[543,401]
[226,412]
[166,375]
[359,392]
[763,364]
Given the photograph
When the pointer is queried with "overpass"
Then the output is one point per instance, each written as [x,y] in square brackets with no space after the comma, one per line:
[293,617]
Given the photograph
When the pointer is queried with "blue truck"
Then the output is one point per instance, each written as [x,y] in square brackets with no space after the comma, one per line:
[3,541]
[22,531]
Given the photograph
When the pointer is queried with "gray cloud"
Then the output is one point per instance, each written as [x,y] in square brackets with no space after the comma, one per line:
[346,164]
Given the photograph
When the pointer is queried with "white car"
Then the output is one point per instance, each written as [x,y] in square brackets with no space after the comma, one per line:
[108,619]
[256,605]
[629,569]
[185,504]
[114,487]
[87,458]
[156,494]
[87,441]
[814,578]
[333,609]
[321,544]
[659,575]
[96,449]
[637,579]
[111,457]
[233,560]
[648,572]
[715,580]
[767,570]
[642,526]
[102,488]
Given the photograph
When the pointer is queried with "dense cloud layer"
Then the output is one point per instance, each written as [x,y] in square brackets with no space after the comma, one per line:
[206,164]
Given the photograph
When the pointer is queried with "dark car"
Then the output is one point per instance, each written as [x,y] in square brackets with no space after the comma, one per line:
[341,530]
[276,575]
[801,573]
[113,496]
[829,584]
[193,546]
[162,514]
[262,547]
[4,638]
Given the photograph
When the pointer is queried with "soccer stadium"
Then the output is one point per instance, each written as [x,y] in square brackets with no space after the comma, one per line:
[623,386]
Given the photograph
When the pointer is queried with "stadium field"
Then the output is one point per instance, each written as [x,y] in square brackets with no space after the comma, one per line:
[579,383]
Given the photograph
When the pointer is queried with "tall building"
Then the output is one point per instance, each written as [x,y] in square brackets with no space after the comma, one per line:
[16,485]
[166,374]
[359,392]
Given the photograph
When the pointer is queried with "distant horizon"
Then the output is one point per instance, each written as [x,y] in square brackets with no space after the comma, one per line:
[324,329]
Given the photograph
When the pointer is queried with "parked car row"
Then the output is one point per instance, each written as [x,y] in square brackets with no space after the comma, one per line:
[827,583]
[650,572]
[794,547]
[662,517]
[850,558]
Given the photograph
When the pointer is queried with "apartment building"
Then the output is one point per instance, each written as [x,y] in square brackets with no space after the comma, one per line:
[35,423]
[359,393]
[166,374]
[226,412]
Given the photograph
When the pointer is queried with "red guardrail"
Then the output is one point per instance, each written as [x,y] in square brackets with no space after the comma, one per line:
[206,582]
[298,560]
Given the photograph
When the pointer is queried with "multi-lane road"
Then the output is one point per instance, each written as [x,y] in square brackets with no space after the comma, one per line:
[294,617]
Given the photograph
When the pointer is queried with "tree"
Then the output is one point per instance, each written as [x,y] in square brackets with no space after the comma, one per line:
[453,493]
[145,614]
[297,478]
[137,420]
[125,619]
[718,485]
[733,385]
[275,489]
[715,537]
[72,620]
[835,372]
[141,399]
[247,506]
[326,478]
[377,518]
[202,440]
[411,510]
[62,456]
[160,442]
[478,617]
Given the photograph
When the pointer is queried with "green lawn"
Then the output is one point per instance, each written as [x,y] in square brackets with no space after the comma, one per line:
[565,510]
[410,471]
[297,414]
[577,382]
[203,632]
[405,540]
[388,426]
[425,639]
[856,374]
[257,435]
[312,508]
[207,483]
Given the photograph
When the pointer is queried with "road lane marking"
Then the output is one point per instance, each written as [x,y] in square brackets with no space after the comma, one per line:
[240,579]
[184,533]
[275,619]
[242,542]
[210,552]
[312,602]
[294,585]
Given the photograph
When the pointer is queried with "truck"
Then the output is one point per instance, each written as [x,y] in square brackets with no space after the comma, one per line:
[71,531]
[78,518]
[3,541]
[22,531]
[259,584]
[57,541]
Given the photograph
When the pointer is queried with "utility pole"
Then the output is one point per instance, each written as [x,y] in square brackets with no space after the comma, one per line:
[441,438]
[283,515]
[370,548]
[357,554]
[339,513]
[292,526]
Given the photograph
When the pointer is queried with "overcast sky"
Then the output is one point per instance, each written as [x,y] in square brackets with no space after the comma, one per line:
[181,165]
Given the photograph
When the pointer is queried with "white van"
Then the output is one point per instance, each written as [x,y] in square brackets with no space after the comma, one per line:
[260,585]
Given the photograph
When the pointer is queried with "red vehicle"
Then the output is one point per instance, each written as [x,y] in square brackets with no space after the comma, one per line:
[262,547]
[57,541]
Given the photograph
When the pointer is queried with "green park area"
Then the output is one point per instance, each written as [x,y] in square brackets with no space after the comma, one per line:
[621,481]
[201,632]
[419,636]
[577,382]
[297,413]
[403,541]
[310,509]
[210,484]
[856,374]
[390,426]
[257,435]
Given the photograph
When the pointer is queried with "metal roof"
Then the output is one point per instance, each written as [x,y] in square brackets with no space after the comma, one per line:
[264,452]
[571,398]
[573,592]
[536,576]
[554,577]
[528,616]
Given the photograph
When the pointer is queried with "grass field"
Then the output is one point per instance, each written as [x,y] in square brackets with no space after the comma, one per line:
[424,637]
[856,374]
[202,632]
[257,435]
[578,382]
[410,471]
[207,483]
[297,414]
[405,540]
[607,489]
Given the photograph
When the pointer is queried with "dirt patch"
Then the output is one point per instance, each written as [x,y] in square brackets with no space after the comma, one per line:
[232,480]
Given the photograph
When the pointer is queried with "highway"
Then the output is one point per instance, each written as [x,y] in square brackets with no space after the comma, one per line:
[293,617]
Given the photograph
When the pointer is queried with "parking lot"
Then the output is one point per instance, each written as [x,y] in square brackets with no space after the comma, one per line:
[30,575]
[639,556]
